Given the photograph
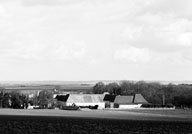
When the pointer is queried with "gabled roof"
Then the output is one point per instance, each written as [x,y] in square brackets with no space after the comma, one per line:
[109,97]
[139,99]
[124,99]
[85,98]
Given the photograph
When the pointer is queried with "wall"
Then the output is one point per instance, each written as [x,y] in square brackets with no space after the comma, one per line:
[100,104]
[130,106]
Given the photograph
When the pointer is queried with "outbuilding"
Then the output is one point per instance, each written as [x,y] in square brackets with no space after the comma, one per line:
[109,100]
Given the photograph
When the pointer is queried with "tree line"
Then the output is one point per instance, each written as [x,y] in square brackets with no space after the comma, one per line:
[17,100]
[154,92]
[13,100]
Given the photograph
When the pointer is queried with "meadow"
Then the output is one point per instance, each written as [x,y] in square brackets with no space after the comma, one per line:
[93,122]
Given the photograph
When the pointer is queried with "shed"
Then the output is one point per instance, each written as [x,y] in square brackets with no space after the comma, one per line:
[109,100]
[61,100]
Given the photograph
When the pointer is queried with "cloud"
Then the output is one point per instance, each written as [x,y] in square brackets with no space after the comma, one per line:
[181,9]
[169,58]
[96,33]
[165,36]
[132,55]
[65,52]
[69,51]
[49,2]
[159,31]
[144,56]
[2,11]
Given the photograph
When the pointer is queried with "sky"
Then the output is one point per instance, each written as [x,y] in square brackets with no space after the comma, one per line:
[78,40]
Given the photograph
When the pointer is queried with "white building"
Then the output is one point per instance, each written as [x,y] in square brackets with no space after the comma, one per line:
[86,100]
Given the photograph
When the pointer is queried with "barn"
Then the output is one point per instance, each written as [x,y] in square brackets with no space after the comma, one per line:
[86,100]
[126,102]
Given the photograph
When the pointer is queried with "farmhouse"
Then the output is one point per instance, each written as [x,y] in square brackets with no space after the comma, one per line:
[86,100]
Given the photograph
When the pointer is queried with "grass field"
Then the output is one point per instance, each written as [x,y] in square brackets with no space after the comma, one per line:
[133,114]
[95,121]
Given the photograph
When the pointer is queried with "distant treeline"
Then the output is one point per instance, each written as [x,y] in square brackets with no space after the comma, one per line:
[153,92]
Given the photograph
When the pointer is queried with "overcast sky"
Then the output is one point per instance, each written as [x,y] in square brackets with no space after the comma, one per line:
[95,40]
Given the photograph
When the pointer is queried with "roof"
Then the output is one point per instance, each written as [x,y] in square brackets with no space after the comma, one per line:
[139,99]
[109,97]
[85,98]
[62,97]
[124,99]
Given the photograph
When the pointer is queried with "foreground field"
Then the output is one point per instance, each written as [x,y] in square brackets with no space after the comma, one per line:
[95,122]
[77,125]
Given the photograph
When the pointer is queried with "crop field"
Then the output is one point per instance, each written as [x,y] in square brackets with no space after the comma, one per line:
[93,122]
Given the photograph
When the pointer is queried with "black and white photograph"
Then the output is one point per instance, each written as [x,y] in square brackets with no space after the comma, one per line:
[95,66]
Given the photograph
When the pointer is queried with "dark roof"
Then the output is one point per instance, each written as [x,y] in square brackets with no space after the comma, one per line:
[124,99]
[62,97]
[109,97]
[139,99]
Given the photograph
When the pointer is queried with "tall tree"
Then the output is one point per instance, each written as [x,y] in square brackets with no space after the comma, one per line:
[16,101]
[6,101]
[99,88]
[2,90]
[113,88]
[45,97]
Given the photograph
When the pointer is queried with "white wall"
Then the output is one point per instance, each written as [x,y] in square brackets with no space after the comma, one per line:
[129,106]
[101,105]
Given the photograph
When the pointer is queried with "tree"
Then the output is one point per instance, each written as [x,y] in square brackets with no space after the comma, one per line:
[6,100]
[25,100]
[99,88]
[127,87]
[16,101]
[2,90]
[45,97]
[113,88]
